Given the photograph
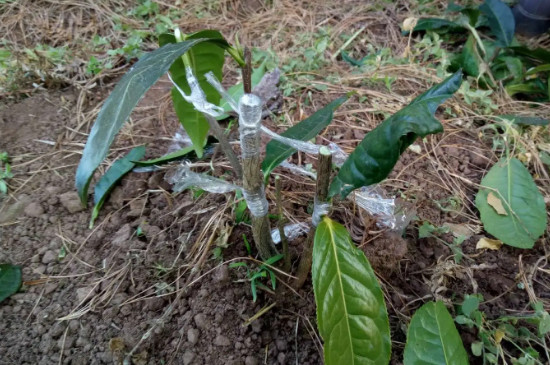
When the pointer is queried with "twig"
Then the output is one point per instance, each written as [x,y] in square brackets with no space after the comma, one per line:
[321,195]
[281,223]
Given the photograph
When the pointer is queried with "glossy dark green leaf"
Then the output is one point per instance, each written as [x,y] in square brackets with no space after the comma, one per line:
[377,154]
[118,106]
[501,21]
[118,169]
[277,152]
[351,313]
[525,219]
[10,280]
[436,24]
[538,54]
[432,338]
[203,58]
[523,120]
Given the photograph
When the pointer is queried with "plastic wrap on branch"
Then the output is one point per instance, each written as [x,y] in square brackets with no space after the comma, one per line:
[256,201]
[250,113]
[292,231]
[303,146]
[197,96]
[212,80]
[184,178]
[389,213]
[338,155]
[319,210]
[298,169]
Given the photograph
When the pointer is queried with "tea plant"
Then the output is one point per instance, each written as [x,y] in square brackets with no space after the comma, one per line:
[351,312]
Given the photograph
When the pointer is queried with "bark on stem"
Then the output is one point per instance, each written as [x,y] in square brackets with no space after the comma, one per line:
[225,146]
[281,223]
[250,112]
[321,195]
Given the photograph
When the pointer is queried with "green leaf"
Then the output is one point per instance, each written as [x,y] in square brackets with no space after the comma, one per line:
[203,58]
[432,338]
[538,54]
[118,106]
[351,313]
[118,169]
[535,70]
[467,59]
[10,280]
[501,21]
[522,120]
[436,24]
[167,158]
[377,154]
[545,158]
[276,152]
[525,218]
[470,304]
[237,91]
[532,87]
[352,61]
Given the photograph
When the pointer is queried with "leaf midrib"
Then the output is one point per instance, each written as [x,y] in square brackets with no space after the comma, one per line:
[346,317]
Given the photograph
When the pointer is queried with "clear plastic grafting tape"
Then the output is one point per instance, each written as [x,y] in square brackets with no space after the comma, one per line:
[197,96]
[292,231]
[184,178]
[250,113]
[389,213]
[319,210]
[303,146]
[295,169]
[256,201]
[212,80]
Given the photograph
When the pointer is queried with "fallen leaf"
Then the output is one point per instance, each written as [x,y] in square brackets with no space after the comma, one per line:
[499,335]
[409,24]
[489,244]
[496,203]
[462,230]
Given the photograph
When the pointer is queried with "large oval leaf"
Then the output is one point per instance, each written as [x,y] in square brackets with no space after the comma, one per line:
[276,152]
[116,109]
[432,338]
[377,154]
[511,206]
[501,21]
[351,313]
[10,280]
[204,58]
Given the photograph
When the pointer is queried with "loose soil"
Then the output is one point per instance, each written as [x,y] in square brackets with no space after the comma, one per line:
[169,296]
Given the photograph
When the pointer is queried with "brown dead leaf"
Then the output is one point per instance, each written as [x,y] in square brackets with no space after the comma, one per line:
[409,24]
[489,244]
[464,230]
[496,203]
